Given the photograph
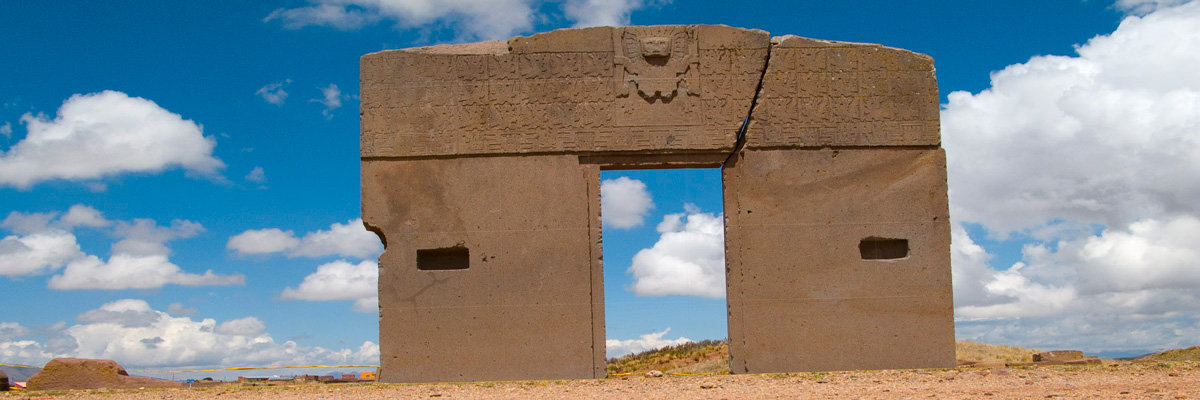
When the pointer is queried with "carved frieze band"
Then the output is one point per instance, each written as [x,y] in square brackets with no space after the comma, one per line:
[847,95]
[656,90]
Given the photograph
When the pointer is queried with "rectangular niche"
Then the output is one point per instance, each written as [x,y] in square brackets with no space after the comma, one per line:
[449,258]
[877,248]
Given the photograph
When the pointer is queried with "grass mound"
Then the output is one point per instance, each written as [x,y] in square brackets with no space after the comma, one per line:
[705,356]
[970,351]
[1188,354]
[712,357]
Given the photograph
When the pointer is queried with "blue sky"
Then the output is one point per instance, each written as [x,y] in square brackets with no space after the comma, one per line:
[179,180]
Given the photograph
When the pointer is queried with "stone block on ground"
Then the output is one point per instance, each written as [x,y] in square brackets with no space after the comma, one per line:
[1058,356]
[79,373]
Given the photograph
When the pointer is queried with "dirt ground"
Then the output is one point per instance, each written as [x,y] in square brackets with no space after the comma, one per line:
[1113,380]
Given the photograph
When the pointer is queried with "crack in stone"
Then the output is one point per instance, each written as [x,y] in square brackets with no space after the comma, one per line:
[740,140]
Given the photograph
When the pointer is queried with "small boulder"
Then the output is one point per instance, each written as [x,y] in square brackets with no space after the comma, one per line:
[78,373]
[1058,356]
[654,373]
[3,382]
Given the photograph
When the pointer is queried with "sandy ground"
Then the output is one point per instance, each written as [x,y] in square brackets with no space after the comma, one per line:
[1174,380]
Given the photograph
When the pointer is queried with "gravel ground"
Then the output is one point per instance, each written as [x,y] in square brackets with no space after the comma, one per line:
[1172,380]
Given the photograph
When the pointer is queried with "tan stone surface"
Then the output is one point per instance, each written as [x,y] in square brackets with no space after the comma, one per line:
[523,308]
[78,373]
[800,296]
[827,93]
[491,153]
[591,90]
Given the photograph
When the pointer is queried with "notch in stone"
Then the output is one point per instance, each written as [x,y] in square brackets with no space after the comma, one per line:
[877,248]
[447,258]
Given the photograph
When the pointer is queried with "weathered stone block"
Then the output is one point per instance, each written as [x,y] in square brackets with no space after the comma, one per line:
[481,166]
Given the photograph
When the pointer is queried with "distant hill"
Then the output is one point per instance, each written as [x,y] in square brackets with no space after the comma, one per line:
[19,374]
[1188,354]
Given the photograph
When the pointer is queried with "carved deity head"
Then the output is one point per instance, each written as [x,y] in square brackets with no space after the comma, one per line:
[654,47]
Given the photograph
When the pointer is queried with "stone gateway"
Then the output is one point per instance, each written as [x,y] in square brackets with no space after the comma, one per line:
[481,174]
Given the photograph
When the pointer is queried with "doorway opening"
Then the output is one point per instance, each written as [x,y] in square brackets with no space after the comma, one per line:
[664,270]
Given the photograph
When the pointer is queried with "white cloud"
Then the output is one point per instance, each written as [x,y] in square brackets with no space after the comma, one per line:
[624,202]
[1100,138]
[1143,7]
[105,134]
[688,259]
[144,236]
[12,330]
[6,130]
[248,326]
[274,93]
[331,98]
[472,19]
[263,241]
[158,339]
[81,215]
[350,240]
[178,309]
[132,271]
[44,243]
[256,175]
[616,348]
[587,13]
[1086,160]
[37,253]
[341,280]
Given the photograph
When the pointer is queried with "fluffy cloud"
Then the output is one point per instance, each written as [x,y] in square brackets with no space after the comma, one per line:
[1082,159]
[104,134]
[341,280]
[1099,138]
[624,202]
[1143,7]
[331,98]
[616,348]
[474,19]
[471,19]
[6,130]
[350,240]
[44,243]
[688,259]
[274,92]
[137,336]
[587,13]
[37,253]
[12,330]
[132,271]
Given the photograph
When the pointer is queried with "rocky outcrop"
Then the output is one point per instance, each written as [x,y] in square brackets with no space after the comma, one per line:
[78,373]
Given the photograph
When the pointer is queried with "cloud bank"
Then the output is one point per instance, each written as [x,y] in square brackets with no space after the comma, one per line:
[105,134]
[471,19]
[1089,160]
[135,335]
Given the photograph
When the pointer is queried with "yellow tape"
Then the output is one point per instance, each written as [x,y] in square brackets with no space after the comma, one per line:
[17,365]
[253,368]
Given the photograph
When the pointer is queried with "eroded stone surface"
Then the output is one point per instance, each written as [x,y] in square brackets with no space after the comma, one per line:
[595,90]
[79,373]
[481,166]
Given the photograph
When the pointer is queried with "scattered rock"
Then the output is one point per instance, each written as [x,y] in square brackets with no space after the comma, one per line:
[822,381]
[78,373]
[654,373]
[1057,355]
[708,386]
